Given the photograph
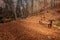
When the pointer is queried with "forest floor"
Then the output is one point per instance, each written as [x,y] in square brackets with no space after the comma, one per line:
[30,28]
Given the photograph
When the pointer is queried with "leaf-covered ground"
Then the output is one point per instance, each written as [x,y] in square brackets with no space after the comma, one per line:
[29,29]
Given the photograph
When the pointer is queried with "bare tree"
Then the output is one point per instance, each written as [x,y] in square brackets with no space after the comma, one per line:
[32,5]
[18,9]
[52,3]
[9,5]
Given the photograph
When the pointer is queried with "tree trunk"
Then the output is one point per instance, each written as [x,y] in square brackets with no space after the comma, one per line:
[10,8]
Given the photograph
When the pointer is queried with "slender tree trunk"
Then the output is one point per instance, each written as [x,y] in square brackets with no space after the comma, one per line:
[32,6]
[18,8]
[52,3]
